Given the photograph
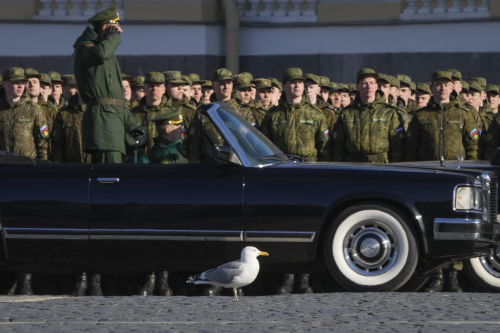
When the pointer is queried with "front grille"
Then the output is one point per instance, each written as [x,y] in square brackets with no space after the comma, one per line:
[493,197]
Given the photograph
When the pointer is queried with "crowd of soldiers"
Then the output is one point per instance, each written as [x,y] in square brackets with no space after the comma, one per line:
[100,115]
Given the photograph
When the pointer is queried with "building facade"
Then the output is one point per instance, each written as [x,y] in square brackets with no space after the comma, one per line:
[327,37]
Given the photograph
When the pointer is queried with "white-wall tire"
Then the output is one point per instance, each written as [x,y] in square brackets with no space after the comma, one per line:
[371,248]
[483,273]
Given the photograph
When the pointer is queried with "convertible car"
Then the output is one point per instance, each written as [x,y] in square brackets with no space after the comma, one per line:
[373,227]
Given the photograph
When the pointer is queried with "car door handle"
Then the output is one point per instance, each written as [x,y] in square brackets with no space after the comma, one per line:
[105,180]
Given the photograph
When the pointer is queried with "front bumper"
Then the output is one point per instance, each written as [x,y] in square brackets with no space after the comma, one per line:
[467,230]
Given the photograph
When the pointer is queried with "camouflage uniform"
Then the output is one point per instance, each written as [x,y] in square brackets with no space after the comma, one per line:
[369,132]
[298,129]
[23,128]
[67,134]
[143,113]
[492,141]
[50,114]
[459,137]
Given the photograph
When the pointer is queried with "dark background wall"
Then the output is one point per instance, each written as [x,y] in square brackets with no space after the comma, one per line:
[339,67]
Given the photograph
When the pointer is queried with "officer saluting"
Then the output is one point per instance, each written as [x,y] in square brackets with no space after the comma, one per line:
[107,121]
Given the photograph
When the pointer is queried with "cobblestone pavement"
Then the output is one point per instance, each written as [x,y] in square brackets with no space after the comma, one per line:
[339,312]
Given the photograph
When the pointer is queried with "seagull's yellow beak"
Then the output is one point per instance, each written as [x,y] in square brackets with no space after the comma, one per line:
[264,254]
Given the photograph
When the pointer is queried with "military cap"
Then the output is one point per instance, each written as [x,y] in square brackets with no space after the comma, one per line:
[474,85]
[334,86]
[393,81]
[465,86]
[455,74]
[424,87]
[324,82]
[492,88]
[243,81]
[364,72]
[222,74]
[109,15]
[263,83]
[292,74]
[402,78]
[126,77]
[137,81]
[384,77]
[173,117]
[342,87]
[154,77]
[186,79]
[195,78]
[480,80]
[55,77]
[206,83]
[45,78]
[312,77]
[440,75]
[413,87]
[31,72]
[173,77]
[352,87]
[275,83]
[69,79]
[248,74]
[14,74]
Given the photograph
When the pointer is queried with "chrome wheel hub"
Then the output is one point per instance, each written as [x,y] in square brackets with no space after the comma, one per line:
[491,263]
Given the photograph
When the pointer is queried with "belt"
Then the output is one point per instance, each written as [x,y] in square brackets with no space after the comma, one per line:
[107,101]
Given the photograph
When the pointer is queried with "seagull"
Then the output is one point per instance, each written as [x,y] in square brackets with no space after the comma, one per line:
[234,274]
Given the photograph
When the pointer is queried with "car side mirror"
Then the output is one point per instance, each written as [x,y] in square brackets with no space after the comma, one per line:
[225,154]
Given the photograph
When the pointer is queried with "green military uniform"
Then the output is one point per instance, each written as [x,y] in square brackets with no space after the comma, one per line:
[369,132]
[298,129]
[67,134]
[167,151]
[446,131]
[259,111]
[188,109]
[107,122]
[23,126]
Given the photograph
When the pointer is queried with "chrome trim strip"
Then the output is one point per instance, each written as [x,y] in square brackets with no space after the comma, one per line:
[108,180]
[170,238]
[455,221]
[280,236]
[46,233]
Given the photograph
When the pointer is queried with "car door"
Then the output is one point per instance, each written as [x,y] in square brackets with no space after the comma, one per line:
[165,215]
[44,212]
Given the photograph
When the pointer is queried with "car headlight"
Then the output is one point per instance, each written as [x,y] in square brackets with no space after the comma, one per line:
[468,198]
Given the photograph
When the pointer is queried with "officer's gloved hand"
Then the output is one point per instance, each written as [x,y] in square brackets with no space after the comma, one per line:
[112,30]
[140,135]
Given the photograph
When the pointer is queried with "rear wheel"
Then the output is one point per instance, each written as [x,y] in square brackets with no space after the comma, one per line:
[371,248]
[483,273]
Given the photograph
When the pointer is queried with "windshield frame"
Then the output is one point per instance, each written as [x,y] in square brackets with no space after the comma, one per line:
[220,111]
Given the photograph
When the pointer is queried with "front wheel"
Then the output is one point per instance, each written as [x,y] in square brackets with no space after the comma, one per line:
[483,273]
[371,248]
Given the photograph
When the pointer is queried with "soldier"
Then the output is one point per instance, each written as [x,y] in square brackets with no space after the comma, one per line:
[335,97]
[137,85]
[48,109]
[313,91]
[243,96]
[196,91]
[57,97]
[67,133]
[423,94]
[405,102]
[168,147]
[207,91]
[352,91]
[345,100]
[107,123]
[492,92]
[324,86]
[45,86]
[69,86]
[153,104]
[178,97]
[127,91]
[277,90]
[263,101]
[368,130]
[23,131]
[297,128]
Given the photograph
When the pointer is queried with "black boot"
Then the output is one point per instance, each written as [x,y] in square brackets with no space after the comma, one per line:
[24,284]
[81,285]
[287,286]
[162,283]
[436,283]
[212,291]
[149,287]
[95,284]
[303,284]
[451,281]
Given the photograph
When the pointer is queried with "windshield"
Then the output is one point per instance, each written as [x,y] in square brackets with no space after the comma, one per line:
[257,148]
